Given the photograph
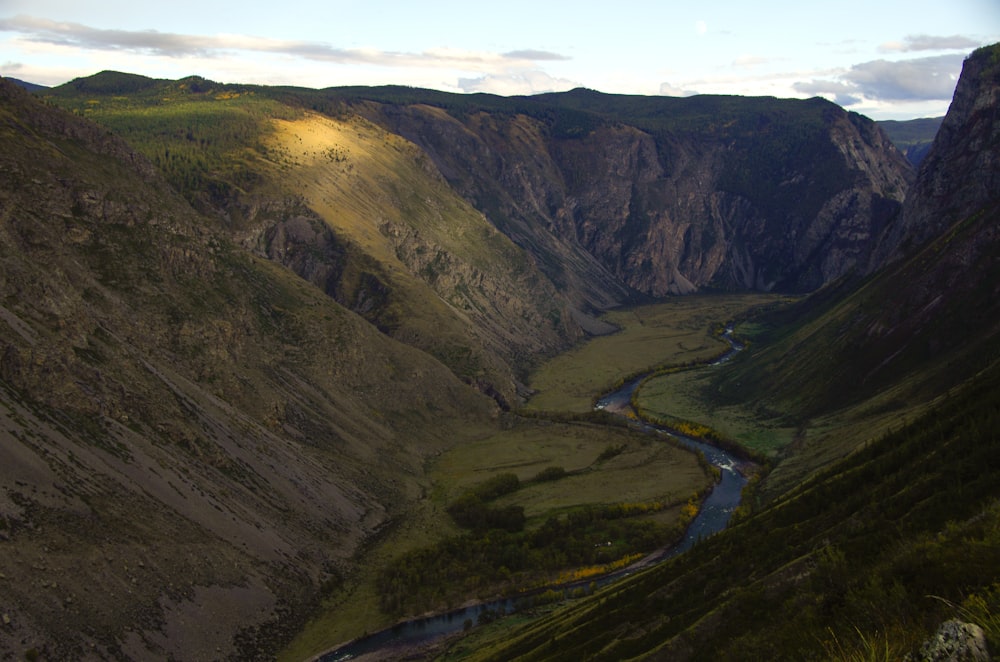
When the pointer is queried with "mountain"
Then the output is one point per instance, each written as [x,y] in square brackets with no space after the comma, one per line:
[31,87]
[941,281]
[487,231]
[662,195]
[193,439]
[353,209]
[890,523]
[912,137]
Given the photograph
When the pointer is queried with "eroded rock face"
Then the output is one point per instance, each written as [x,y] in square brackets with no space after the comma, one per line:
[767,195]
[192,440]
[961,174]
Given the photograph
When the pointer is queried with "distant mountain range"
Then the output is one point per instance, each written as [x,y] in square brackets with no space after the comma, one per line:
[912,137]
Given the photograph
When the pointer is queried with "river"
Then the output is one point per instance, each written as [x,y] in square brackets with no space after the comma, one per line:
[713,516]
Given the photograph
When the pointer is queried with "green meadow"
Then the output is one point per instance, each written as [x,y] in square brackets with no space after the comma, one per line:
[675,332]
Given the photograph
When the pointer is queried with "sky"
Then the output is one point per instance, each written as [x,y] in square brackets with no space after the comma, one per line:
[887,59]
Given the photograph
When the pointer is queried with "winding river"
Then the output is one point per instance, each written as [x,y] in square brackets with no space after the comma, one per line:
[714,515]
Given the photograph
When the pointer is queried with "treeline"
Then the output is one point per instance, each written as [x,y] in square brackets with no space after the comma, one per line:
[200,141]
[496,561]
[497,555]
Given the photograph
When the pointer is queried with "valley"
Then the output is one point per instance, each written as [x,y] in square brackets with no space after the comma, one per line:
[280,367]
[592,461]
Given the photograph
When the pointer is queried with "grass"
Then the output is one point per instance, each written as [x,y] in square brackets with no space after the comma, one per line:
[680,395]
[877,647]
[675,332]
[645,470]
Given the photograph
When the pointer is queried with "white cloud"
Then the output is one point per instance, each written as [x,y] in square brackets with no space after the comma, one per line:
[700,27]
[518,83]
[174,45]
[919,79]
[923,42]
[668,90]
[535,55]
[842,94]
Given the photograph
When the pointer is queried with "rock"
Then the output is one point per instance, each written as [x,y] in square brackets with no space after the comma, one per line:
[955,641]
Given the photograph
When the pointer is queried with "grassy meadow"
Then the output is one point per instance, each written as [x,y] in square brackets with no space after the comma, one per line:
[682,396]
[673,332]
[653,471]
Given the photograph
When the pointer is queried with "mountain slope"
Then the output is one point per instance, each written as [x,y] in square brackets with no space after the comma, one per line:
[966,144]
[912,137]
[193,439]
[355,210]
[390,198]
[928,320]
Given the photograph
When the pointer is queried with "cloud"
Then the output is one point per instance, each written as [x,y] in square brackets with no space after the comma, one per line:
[924,42]
[919,79]
[518,83]
[535,55]
[750,61]
[668,90]
[843,94]
[40,30]
[173,45]
[930,78]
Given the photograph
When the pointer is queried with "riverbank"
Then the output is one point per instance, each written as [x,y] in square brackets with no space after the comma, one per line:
[713,515]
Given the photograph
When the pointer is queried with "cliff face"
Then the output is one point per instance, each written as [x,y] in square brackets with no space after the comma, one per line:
[961,172]
[360,212]
[932,315]
[674,196]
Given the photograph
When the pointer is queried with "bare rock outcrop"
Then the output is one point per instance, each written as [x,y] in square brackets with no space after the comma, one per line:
[954,641]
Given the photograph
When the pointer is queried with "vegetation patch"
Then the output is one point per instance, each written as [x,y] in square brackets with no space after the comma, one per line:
[678,332]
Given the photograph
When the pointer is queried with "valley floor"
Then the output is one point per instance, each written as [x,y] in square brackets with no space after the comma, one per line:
[589,465]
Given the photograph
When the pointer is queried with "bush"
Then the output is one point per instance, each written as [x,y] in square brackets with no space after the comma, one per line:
[550,473]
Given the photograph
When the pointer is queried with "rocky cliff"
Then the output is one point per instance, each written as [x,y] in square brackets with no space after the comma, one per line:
[666,196]
[960,175]
[354,209]
[932,316]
